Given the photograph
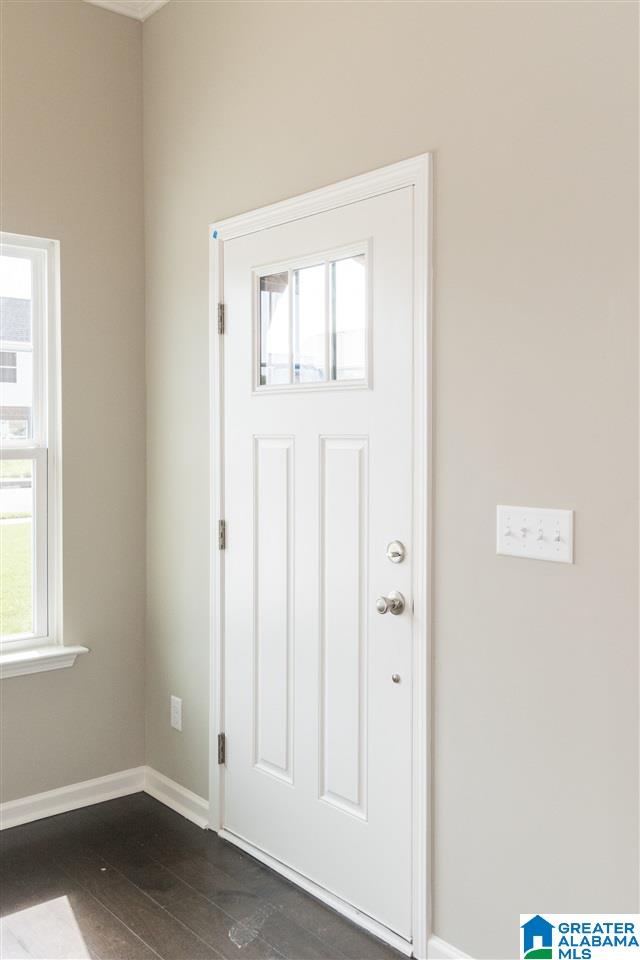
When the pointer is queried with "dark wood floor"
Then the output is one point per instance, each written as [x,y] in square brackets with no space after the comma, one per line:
[131,880]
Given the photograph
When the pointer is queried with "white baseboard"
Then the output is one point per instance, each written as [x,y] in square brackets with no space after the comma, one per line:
[183,801]
[88,792]
[76,795]
[340,906]
[438,949]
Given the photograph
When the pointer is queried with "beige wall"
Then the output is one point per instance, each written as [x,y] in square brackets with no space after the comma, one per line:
[531,111]
[72,170]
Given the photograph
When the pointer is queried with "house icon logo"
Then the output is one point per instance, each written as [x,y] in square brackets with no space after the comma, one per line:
[537,936]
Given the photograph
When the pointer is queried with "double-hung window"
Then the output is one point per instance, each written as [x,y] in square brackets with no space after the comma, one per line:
[30,535]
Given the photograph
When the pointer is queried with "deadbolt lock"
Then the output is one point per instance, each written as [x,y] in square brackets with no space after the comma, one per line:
[396,551]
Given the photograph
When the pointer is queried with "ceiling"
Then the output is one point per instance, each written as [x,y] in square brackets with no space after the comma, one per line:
[138,9]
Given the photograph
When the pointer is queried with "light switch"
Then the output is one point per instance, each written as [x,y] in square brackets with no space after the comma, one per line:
[535,533]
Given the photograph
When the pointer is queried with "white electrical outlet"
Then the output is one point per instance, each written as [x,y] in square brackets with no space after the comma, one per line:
[535,533]
[176,713]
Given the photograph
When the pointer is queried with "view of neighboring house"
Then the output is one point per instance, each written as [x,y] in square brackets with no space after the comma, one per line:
[15,368]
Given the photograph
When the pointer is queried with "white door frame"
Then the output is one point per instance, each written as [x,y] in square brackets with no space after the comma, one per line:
[416,173]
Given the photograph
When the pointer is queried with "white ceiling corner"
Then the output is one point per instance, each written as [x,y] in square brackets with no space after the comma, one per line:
[138,9]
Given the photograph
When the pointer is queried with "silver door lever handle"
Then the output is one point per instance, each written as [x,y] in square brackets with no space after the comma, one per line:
[394,603]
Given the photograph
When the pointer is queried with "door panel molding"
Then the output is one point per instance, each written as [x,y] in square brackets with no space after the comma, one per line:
[344,467]
[416,173]
[273,466]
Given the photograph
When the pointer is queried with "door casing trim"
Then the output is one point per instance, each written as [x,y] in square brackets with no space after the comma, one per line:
[417,173]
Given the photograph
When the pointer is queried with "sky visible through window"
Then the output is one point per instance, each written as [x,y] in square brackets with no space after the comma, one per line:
[15,278]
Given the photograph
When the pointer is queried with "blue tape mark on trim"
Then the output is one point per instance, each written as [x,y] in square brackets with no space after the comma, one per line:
[214,235]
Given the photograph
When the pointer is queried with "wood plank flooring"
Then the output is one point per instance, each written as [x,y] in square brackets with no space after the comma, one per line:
[132,880]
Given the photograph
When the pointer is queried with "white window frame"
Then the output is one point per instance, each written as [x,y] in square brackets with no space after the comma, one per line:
[43,649]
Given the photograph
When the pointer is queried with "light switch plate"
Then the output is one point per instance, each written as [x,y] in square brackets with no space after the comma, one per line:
[535,533]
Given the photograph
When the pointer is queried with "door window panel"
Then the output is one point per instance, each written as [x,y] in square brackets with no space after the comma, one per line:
[348,315]
[313,323]
[309,364]
[275,332]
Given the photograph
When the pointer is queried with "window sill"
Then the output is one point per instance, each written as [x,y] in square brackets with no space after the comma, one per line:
[38,659]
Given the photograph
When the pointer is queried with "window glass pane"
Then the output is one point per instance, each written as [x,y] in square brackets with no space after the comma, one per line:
[8,367]
[348,328]
[275,360]
[16,348]
[309,324]
[16,547]
[307,339]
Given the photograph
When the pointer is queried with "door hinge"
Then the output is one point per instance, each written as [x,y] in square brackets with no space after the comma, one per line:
[222,534]
[221,318]
[222,748]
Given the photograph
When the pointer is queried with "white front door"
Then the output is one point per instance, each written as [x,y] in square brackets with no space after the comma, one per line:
[318,392]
